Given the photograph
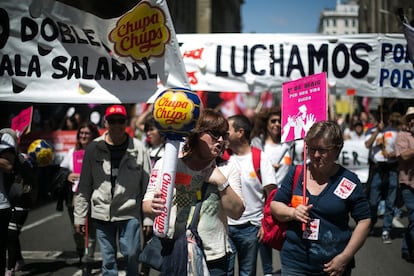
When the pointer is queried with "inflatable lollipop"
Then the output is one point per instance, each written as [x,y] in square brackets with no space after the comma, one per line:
[176,111]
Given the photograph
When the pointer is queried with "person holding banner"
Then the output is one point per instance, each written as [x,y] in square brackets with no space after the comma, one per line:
[404,148]
[222,196]
[115,173]
[67,179]
[326,245]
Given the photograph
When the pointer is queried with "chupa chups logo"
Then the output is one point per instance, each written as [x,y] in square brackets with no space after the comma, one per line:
[173,110]
[141,33]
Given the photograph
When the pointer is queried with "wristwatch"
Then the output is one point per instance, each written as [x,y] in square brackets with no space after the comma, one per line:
[223,186]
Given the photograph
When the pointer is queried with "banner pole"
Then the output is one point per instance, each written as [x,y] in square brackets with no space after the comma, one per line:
[304,180]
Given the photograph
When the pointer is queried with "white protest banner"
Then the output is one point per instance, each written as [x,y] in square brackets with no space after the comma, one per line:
[54,53]
[375,65]
[354,156]
[51,52]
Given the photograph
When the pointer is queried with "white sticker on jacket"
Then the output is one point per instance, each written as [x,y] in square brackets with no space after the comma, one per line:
[312,230]
[345,188]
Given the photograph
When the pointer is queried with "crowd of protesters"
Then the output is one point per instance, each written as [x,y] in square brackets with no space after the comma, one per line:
[386,132]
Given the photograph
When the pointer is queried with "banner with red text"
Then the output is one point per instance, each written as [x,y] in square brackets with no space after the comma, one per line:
[374,65]
[52,52]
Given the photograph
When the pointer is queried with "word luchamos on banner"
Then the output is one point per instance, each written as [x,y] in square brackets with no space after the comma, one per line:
[176,112]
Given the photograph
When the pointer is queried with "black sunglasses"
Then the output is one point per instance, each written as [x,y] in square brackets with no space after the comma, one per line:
[216,135]
[273,121]
[112,121]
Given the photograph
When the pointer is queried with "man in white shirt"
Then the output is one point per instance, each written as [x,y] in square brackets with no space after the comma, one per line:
[246,233]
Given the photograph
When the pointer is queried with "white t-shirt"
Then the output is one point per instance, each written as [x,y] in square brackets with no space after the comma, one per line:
[384,140]
[212,226]
[67,161]
[252,188]
[275,151]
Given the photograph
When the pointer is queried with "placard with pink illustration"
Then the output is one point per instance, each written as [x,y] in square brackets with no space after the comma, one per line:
[304,102]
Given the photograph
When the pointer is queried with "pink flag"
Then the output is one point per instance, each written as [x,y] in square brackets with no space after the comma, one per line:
[21,123]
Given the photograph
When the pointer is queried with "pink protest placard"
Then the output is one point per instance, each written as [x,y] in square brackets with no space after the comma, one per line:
[304,102]
[22,121]
[77,160]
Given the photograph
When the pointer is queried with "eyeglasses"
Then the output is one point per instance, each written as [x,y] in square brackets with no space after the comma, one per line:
[113,121]
[215,135]
[321,151]
[274,121]
[85,133]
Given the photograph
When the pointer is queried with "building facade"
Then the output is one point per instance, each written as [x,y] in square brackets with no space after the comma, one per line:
[342,20]
[206,16]
[382,16]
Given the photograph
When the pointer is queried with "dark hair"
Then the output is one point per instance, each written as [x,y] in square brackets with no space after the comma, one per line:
[241,121]
[261,120]
[73,120]
[395,119]
[358,123]
[329,131]
[92,127]
[149,122]
[209,120]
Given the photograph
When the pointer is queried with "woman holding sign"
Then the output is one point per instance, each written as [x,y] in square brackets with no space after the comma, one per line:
[327,245]
[69,173]
[221,193]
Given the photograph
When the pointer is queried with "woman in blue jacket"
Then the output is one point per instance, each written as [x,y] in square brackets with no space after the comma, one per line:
[327,245]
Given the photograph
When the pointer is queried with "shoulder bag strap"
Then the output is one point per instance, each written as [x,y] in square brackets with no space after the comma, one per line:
[256,153]
[194,219]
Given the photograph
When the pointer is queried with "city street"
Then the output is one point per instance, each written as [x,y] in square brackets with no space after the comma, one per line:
[48,249]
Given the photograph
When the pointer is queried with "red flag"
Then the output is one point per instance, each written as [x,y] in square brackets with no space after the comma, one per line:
[22,122]
[232,104]
[203,95]
[266,99]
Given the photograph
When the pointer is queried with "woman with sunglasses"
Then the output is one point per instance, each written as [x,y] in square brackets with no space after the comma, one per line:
[319,240]
[266,135]
[222,191]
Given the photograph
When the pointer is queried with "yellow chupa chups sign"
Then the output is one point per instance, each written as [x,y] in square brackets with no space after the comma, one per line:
[176,111]
[141,33]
